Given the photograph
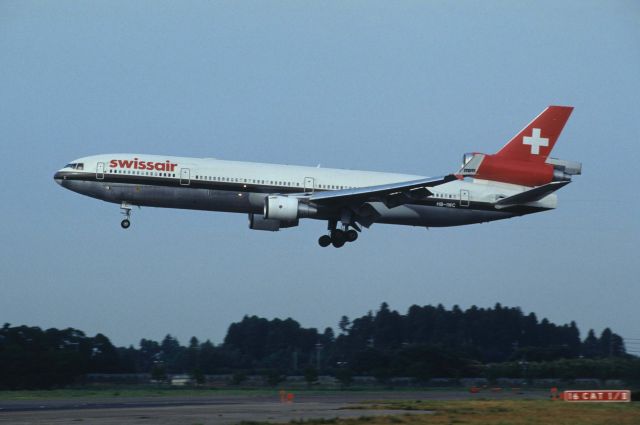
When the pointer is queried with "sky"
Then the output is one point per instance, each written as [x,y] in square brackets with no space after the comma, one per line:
[404,86]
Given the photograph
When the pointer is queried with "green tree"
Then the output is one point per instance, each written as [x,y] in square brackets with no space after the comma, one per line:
[344,324]
[238,378]
[591,345]
[344,375]
[273,377]
[198,376]
[159,373]
[311,376]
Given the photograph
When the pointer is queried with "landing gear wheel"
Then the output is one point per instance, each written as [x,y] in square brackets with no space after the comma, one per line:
[338,244]
[351,235]
[126,212]
[324,241]
[338,238]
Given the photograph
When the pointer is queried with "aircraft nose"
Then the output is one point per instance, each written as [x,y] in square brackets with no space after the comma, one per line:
[58,177]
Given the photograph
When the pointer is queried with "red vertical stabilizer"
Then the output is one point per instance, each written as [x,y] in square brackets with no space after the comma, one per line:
[536,140]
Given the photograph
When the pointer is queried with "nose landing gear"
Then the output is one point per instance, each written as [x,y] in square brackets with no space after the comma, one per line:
[338,237]
[126,211]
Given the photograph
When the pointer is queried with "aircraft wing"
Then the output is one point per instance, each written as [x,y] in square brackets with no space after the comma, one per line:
[392,195]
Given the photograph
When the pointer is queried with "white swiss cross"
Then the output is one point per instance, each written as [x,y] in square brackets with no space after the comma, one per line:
[535,141]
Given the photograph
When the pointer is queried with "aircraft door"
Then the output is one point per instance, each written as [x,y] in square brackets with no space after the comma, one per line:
[308,184]
[464,198]
[185,177]
[100,171]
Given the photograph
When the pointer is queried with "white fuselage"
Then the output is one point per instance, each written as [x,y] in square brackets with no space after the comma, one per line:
[232,186]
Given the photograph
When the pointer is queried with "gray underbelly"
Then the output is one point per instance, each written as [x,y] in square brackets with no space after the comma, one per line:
[172,197]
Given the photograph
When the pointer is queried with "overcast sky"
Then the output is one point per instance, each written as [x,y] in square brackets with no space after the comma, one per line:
[397,86]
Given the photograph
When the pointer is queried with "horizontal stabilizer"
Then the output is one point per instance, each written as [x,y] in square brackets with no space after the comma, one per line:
[532,195]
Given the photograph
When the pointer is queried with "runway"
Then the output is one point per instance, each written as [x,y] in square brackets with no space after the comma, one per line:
[218,409]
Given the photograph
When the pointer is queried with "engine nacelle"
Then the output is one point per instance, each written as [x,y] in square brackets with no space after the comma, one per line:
[258,222]
[563,169]
[281,208]
[286,209]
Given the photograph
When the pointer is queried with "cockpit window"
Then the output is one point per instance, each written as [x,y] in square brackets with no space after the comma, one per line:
[75,166]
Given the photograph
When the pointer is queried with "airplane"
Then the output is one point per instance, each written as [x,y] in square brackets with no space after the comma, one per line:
[519,179]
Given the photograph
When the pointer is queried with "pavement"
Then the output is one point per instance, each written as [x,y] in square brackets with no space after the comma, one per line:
[218,409]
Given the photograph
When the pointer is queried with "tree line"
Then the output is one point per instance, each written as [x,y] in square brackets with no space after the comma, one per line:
[427,341]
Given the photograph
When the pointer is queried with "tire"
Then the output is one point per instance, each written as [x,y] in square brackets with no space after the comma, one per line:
[338,244]
[352,235]
[324,241]
[125,223]
[338,238]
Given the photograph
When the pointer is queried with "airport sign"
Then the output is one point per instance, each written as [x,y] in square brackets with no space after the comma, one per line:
[598,396]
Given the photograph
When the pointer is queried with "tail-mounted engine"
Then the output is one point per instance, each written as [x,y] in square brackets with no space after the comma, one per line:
[563,170]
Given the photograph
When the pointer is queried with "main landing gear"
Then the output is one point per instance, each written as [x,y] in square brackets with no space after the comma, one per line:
[126,211]
[338,237]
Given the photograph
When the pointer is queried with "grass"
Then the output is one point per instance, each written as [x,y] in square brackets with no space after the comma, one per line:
[492,412]
[506,412]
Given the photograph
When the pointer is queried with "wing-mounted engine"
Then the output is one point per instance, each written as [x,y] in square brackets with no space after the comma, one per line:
[280,212]
[259,222]
[287,208]
[525,173]
[281,208]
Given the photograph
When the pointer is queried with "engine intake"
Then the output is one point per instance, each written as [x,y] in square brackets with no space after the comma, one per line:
[281,208]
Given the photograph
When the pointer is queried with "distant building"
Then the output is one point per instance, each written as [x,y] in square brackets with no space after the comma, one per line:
[181,380]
